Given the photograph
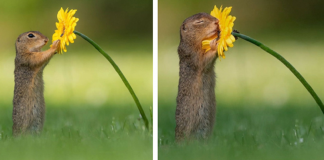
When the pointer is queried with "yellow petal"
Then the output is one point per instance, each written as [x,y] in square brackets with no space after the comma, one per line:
[66,11]
[72,12]
[64,49]
[225,48]
[71,38]
[205,42]
[60,14]
[74,36]
[57,25]
[228,41]
[72,21]
[214,11]
[232,38]
[66,40]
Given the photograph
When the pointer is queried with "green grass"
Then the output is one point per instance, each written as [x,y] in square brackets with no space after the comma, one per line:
[89,112]
[263,111]
[80,133]
[244,133]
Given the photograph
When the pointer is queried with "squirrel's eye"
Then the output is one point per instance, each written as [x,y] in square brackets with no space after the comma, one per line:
[31,35]
[201,21]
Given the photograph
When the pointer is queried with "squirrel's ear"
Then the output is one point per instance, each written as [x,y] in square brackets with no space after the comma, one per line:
[183,27]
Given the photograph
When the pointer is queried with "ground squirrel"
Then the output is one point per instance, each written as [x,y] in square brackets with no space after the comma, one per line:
[196,104]
[28,102]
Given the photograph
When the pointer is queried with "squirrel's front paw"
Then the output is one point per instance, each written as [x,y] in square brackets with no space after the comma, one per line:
[213,46]
[55,44]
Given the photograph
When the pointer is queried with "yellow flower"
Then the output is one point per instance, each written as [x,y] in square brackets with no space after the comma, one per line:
[226,23]
[65,28]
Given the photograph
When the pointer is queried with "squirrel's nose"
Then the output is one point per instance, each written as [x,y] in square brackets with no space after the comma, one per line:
[46,40]
[217,21]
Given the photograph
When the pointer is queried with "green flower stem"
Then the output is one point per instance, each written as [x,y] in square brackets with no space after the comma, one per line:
[286,63]
[121,75]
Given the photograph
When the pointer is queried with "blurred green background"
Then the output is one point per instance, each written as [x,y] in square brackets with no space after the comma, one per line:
[263,111]
[90,113]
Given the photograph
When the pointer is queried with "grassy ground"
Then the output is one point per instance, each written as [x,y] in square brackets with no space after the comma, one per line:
[90,114]
[245,133]
[80,133]
[263,111]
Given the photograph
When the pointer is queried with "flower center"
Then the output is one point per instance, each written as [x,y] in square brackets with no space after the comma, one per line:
[63,31]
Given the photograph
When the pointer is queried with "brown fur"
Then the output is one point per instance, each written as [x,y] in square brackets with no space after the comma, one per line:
[28,102]
[196,104]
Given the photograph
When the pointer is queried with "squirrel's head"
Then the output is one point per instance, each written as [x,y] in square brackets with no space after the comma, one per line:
[31,41]
[197,28]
